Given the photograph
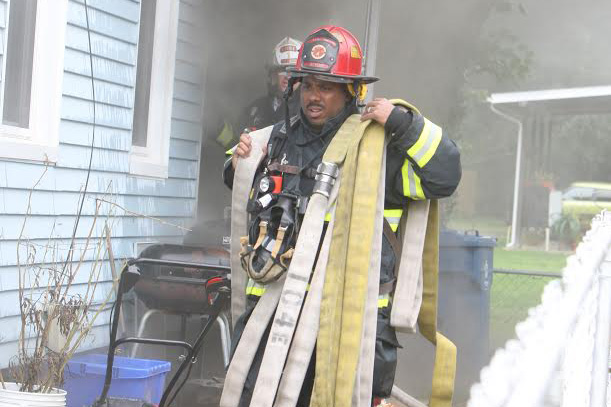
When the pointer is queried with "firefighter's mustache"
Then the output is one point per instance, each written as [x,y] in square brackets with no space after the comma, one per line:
[315,105]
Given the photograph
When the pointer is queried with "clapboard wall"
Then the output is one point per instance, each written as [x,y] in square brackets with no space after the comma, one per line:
[114,32]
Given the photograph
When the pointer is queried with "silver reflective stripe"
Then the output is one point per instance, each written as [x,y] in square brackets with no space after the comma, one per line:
[254,288]
[393,222]
[250,284]
[428,142]
[411,179]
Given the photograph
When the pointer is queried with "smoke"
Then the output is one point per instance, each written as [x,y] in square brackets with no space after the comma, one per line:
[239,40]
[426,54]
[241,37]
[444,56]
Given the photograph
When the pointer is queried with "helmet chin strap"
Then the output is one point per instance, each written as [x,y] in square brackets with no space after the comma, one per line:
[358,91]
[288,92]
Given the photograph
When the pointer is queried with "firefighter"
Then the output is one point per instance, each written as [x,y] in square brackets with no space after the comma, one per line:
[421,163]
[269,109]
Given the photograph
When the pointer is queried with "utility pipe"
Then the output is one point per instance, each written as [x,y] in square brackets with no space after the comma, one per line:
[513,241]
[371,41]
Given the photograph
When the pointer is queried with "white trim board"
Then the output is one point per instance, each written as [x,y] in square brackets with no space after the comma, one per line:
[39,142]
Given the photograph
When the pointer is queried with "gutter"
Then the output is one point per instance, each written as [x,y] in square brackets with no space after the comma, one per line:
[513,241]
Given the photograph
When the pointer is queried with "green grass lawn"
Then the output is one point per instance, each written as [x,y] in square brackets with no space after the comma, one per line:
[536,260]
[511,296]
[529,260]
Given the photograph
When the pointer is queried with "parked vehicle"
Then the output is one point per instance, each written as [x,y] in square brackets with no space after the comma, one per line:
[586,199]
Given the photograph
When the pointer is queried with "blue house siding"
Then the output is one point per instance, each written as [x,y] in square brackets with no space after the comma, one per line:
[114,36]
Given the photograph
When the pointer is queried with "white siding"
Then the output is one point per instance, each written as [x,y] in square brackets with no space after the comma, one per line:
[3,16]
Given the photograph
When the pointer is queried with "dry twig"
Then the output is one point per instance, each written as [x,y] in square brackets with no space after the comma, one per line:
[140,215]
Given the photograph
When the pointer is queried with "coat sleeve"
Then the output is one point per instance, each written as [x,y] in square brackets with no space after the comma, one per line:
[422,162]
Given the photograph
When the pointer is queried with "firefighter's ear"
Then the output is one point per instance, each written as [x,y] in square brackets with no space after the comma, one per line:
[347,93]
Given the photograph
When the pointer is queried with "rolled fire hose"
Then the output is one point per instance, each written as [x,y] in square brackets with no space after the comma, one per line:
[303,343]
[244,176]
[339,344]
[294,290]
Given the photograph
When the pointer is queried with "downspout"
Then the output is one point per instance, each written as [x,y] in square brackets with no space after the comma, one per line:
[513,241]
[371,41]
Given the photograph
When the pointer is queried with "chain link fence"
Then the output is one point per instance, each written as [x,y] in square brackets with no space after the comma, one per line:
[559,357]
[512,294]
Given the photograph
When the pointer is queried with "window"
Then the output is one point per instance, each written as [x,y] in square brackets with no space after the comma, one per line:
[154,88]
[18,78]
[31,54]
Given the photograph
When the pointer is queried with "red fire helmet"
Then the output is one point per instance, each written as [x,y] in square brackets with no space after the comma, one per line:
[334,53]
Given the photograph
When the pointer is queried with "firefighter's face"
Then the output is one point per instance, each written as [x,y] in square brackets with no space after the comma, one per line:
[283,81]
[322,100]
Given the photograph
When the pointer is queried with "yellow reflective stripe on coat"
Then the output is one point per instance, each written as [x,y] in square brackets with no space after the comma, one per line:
[393,216]
[254,288]
[383,300]
[427,143]
[412,187]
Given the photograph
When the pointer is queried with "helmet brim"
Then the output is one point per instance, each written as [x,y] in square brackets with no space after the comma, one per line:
[300,73]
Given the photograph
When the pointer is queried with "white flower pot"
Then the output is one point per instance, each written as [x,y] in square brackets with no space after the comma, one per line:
[12,397]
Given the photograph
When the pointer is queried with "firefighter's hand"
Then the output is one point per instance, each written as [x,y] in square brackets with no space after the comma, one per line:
[378,109]
[243,149]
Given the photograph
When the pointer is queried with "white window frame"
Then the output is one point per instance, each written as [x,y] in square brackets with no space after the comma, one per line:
[152,160]
[40,140]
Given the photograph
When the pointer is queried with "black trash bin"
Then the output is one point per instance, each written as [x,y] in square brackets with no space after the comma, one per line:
[465,278]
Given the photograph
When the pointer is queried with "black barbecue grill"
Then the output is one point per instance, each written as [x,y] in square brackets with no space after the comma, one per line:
[178,287]
[172,281]
[179,280]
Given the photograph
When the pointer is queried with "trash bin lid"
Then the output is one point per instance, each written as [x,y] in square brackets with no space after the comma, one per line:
[470,238]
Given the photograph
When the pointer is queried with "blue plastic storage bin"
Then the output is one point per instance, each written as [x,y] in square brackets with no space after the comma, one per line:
[132,378]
